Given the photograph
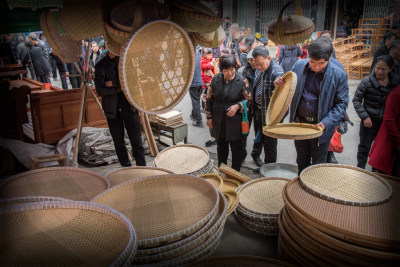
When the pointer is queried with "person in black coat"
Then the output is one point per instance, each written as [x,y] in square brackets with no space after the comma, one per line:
[62,69]
[40,63]
[118,111]
[369,102]
[388,38]
[223,110]
[77,80]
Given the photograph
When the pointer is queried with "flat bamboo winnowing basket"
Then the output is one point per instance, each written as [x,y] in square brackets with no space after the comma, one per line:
[65,182]
[164,208]
[293,131]
[156,67]
[345,184]
[122,175]
[22,200]
[65,233]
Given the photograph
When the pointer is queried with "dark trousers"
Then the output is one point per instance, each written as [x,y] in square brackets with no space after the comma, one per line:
[270,144]
[223,152]
[367,136]
[53,65]
[63,79]
[75,81]
[310,152]
[43,78]
[131,122]
[195,93]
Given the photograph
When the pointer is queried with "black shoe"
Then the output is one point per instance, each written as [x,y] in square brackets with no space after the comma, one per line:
[332,158]
[198,124]
[210,143]
[128,164]
[244,156]
[257,160]
[256,171]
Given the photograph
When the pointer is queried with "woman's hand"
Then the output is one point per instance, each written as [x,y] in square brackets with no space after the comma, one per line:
[368,122]
[246,94]
[231,111]
[279,81]
[209,123]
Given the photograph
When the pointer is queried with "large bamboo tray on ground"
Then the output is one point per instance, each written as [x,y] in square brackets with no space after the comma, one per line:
[164,208]
[345,184]
[156,67]
[359,235]
[281,99]
[65,233]
[65,182]
[184,159]
[238,261]
[293,131]
[22,200]
[122,175]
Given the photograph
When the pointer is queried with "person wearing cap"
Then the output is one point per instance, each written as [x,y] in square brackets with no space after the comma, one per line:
[267,71]
[321,98]
[118,111]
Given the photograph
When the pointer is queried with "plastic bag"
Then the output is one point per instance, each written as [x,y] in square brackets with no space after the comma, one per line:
[336,142]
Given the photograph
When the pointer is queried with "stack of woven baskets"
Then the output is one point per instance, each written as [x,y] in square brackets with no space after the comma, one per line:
[260,202]
[340,215]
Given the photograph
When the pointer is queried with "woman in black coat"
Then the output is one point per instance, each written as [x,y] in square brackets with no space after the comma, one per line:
[369,102]
[223,110]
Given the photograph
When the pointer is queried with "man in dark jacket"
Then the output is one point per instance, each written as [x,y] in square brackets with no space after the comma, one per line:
[94,57]
[267,72]
[395,54]
[118,111]
[40,63]
[388,38]
[75,81]
[321,98]
[62,69]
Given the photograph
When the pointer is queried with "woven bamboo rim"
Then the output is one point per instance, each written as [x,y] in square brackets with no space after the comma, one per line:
[281,99]
[257,225]
[122,175]
[183,159]
[157,88]
[230,184]
[38,228]
[64,182]
[255,217]
[243,215]
[328,242]
[216,221]
[262,196]
[213,179]
[238,261]
[117,35]
[345,184]
[83,22]
[64,46]
[234,174]
[256,229]
[212,39]
[216,170]
[233,197]
[181,210]
[22,200]
[373,234]
[195,22]
[293,131]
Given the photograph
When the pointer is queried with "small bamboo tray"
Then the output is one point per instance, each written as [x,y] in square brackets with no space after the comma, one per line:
[233,199]
[293,131]
[214,179]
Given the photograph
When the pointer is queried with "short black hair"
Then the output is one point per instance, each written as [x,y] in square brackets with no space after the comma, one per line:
[206,51]
[227,17]
[249,41]
[226,62]
[395,44]
[386,59]
[29,44]
[320,49]
[260,51]
[388,35]
[34,39]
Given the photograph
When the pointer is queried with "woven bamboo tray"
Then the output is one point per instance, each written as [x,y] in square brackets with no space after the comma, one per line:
[234,174]
[214,179]
[262,196]
[293,131]
[70,233]
[164,208]
[353,224]
[255,217]
[110,44]
[243,215]
[216,170]
[182,159]
[233,199]
[256,225]
[22,200]
[64,182]
[238,261]
[281,99]
[230,184]
[257,230]
[192,21]
[122,175]
[345,184]
[212,39]
[156,67]
[215,222]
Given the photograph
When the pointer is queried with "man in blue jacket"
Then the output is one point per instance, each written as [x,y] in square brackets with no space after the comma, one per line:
[321,98]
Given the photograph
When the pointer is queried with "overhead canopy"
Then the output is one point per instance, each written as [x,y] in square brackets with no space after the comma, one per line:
[18,19]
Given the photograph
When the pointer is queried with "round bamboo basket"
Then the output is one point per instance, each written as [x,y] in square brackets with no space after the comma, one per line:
[243,216]
[345,184]
[156,67]
[64,182]
[122,175]
[192,21]
[293,131]
[354,224]
[239,261]
[22,200]
[65,233]
[164,208]
[281,99]
[214,179]
[233,199]
[212,39]
[186,158]
[234,174]
[110,44]
[266,220]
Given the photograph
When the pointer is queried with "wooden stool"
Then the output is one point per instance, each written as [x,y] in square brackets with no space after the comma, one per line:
[35,161]
[176,133]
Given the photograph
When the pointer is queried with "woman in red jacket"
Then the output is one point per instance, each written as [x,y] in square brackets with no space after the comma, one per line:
[385,153]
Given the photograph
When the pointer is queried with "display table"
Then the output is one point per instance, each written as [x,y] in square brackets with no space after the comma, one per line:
[177,133]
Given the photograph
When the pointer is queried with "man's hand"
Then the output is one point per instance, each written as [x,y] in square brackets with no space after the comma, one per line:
[231,111]
[67,73]
[108,84]
[279,81]
[246,94]
[209,123]
[368,122]
[321,125]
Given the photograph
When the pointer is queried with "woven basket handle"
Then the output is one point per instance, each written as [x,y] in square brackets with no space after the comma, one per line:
[298,12]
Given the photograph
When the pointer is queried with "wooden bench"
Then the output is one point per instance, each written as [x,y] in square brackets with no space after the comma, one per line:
[355,71]
[366,68]
[176,133]
[36,161]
